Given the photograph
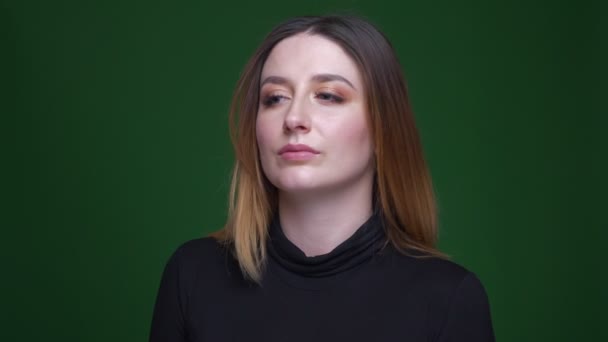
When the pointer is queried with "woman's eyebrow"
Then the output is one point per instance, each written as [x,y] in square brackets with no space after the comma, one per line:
[320,78]
[331,77]
[274,80]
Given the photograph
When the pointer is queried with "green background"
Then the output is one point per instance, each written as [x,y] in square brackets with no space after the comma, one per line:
[115,151]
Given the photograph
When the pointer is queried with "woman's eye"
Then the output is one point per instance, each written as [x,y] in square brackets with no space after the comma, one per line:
[272,100]
[323,96]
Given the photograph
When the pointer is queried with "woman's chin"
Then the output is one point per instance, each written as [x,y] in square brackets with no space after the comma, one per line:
[295,180]
[295,186]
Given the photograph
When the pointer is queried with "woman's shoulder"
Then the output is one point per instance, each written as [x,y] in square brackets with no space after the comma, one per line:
[438,277]
[194,252]
[203,246]
[206,256]
[457,300]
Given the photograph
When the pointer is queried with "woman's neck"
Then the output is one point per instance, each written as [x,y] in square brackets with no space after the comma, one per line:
[318,223]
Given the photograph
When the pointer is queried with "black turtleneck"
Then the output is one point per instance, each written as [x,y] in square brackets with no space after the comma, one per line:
[363,290]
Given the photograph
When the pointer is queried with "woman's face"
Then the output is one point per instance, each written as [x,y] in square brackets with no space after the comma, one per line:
[311,126]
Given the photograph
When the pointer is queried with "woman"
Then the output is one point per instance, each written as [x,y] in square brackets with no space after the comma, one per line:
[332,223]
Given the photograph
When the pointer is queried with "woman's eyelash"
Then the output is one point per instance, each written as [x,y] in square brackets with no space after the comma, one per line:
[272,100]
[329,97]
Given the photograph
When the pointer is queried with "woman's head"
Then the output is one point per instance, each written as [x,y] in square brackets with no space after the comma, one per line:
[334,65]
[312,121]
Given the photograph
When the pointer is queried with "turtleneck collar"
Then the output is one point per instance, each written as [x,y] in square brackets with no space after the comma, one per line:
[366,241]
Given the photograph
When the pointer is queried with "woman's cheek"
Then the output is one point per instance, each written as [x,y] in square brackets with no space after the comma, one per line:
[261,133]
[265,138]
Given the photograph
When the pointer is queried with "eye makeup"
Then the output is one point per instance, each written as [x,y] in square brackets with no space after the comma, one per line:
[325,95]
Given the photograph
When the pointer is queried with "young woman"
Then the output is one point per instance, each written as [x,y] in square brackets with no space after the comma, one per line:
[332,222]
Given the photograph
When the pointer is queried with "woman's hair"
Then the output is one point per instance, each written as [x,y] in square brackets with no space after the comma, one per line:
[403,193]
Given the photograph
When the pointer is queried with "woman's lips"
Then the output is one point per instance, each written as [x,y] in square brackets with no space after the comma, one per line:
[298,155]
[297,152]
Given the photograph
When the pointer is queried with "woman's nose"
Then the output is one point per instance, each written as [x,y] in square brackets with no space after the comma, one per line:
[297,118]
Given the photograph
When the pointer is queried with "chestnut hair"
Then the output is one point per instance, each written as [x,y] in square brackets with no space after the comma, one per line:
[403,193]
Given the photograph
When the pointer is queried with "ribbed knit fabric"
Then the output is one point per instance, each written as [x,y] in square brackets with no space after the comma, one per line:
[361,246]
[363,290]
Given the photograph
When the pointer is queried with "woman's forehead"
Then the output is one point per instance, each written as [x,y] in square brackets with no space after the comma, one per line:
[304,55]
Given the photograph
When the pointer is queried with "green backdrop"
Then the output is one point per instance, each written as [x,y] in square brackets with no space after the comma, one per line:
[115,151]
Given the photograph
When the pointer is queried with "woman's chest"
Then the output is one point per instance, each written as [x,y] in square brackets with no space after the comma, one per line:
[299,315]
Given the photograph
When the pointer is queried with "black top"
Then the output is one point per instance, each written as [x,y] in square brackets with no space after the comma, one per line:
[363,290]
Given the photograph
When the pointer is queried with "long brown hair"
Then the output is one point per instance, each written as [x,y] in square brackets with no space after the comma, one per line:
[402,190]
